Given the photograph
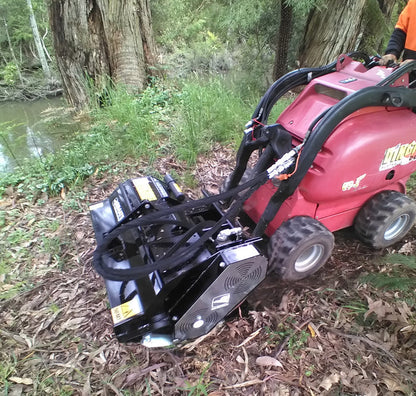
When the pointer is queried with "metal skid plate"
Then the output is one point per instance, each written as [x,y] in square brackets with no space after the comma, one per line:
[244,269]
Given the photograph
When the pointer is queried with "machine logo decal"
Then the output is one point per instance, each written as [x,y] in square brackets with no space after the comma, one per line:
[220,301]
[353,184]
[402,154]
[117,209]
[348,80]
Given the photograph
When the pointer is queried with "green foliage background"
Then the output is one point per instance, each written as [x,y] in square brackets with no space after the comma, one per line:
[217,59]
[14,21]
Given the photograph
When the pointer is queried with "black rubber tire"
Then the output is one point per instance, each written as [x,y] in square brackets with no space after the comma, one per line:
[247,175]
[299,248]
[385,219]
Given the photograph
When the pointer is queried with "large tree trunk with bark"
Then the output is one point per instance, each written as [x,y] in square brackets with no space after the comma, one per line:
[332,30]
[96,39]
[283,40]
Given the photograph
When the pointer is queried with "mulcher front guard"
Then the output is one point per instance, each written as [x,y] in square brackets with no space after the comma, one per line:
[174,269]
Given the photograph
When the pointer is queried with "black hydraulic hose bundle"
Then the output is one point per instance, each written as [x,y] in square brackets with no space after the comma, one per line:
[160,217]
[261,114]
[285,84]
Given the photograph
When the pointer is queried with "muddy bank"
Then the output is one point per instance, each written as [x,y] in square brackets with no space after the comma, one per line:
[32,89]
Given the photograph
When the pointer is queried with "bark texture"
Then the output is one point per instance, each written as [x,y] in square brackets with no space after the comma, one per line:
[283,40]
[96,39]
[387,6]
[332,30]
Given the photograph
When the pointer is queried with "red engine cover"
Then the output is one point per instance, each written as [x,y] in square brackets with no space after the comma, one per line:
[373,149]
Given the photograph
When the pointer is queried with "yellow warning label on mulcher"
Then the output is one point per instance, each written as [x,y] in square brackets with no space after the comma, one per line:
[125,310]
[144,189]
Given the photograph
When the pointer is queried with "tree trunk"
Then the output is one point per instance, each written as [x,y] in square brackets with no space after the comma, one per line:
[38,41]
[331,31]
[96,39]
[378,25]
[386,7]
[283,40]
[16,63]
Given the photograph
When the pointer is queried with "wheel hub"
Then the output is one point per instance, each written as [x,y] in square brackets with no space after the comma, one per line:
[309,258]
[396,227]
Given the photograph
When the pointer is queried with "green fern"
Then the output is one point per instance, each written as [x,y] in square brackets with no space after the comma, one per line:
[384,281]
[400,277]
[407,261]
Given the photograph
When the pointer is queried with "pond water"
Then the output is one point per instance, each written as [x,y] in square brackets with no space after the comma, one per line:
[27,130]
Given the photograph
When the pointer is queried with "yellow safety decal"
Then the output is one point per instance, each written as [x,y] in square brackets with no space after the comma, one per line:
[177,187]
[125,310]
[144,189]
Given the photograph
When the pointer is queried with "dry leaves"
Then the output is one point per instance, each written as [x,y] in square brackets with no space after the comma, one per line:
[56,335]
[268,361]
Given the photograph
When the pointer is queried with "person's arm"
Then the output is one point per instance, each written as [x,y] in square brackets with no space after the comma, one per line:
[394,47]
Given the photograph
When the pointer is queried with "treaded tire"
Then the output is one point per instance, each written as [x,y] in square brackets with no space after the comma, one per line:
[385,219]
[299,248]
[247,175]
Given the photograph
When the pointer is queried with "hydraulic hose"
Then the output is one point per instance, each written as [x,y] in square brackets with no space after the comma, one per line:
[162,217]
[261,114]
[284,84]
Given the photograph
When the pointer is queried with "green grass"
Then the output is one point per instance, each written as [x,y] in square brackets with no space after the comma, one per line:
[7,369]
[201,386]
[212,112]
[208,112]
[357,310]
[127,127]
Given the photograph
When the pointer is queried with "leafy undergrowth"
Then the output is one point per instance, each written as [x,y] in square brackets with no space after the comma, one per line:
[338,333]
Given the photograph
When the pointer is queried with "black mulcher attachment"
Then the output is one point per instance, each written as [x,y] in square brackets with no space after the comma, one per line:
[172,270]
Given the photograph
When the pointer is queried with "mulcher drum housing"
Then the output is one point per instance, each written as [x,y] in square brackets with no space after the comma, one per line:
[180,303]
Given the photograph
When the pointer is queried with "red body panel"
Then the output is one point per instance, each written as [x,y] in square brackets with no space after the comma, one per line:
[372,150]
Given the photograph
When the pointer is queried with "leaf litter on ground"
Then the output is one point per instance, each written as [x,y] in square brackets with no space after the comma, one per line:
[330,334]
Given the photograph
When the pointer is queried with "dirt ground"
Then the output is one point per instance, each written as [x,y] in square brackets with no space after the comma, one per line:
[329,335]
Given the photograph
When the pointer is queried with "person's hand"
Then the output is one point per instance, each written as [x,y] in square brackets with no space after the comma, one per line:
[406,62]
[386,59]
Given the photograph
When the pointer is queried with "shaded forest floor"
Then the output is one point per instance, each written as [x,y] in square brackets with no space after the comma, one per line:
[329,335]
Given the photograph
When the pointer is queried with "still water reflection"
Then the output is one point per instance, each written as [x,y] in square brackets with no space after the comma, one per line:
[27,130]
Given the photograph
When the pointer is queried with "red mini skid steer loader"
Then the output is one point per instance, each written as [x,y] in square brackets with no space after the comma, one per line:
[339,156]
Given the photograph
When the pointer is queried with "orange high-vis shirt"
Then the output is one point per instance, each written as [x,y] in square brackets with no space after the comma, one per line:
[407,23]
